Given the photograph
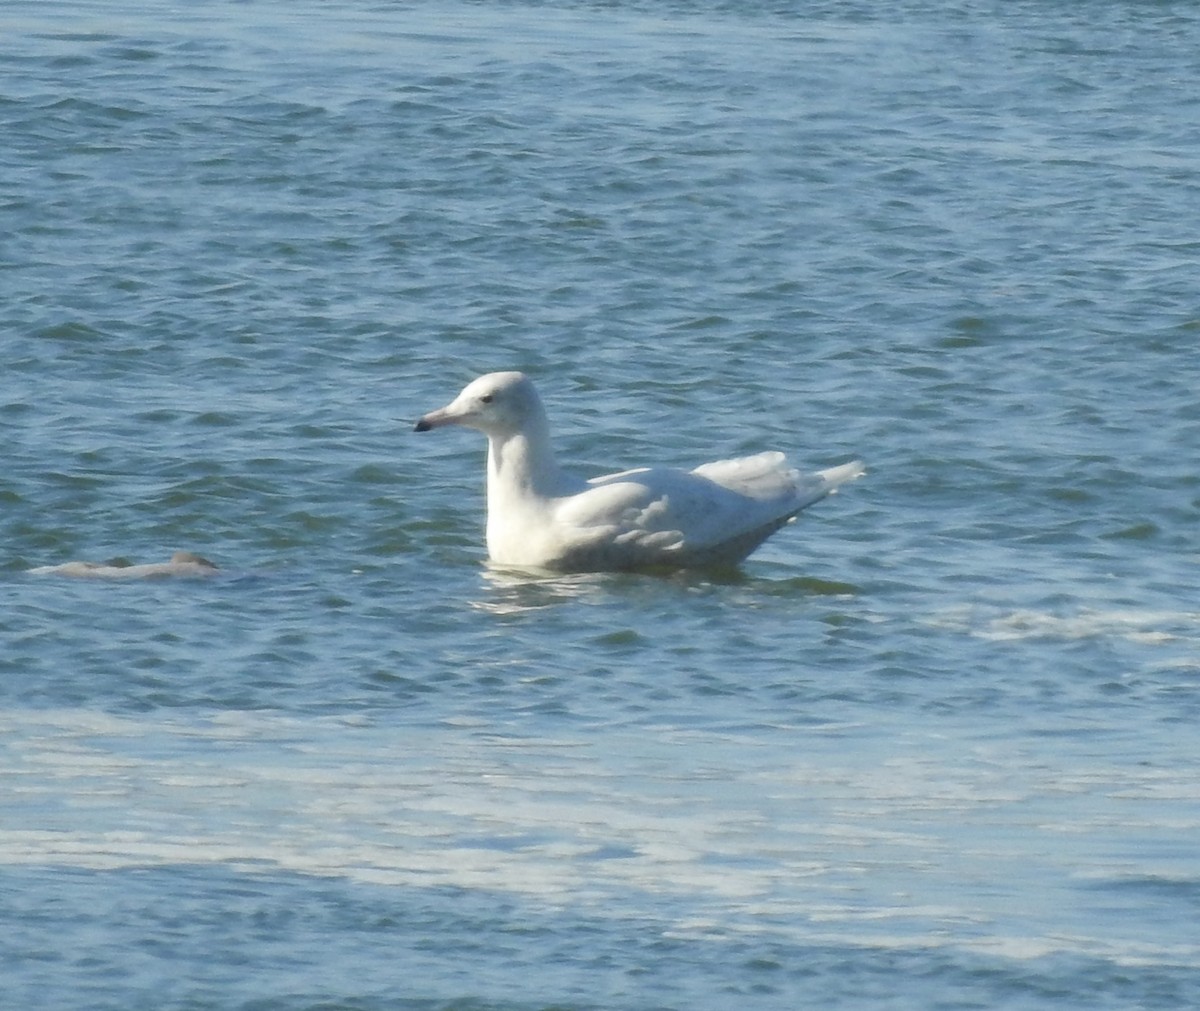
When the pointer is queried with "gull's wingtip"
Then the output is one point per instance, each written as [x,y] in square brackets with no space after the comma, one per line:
[846,472]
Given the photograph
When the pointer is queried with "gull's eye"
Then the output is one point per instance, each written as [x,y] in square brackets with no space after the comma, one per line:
[487,398]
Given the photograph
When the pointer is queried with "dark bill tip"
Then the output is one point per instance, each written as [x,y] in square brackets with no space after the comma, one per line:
[422,426]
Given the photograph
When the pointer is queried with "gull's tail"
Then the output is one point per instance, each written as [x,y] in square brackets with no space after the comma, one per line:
[813,487]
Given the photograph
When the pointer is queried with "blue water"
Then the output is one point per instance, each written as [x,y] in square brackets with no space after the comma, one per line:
[935,746]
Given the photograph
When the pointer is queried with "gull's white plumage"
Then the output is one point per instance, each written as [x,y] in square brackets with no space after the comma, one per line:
[542,517]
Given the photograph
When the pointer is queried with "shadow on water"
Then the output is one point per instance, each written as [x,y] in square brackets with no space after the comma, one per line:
[513,591]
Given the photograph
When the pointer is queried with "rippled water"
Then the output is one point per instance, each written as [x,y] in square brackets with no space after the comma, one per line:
[934,746]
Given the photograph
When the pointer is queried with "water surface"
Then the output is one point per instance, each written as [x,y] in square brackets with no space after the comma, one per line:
[933,746]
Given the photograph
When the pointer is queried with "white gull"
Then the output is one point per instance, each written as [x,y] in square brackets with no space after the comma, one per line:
[541,517]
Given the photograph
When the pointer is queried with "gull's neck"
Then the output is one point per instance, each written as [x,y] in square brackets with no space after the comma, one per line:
[521,465]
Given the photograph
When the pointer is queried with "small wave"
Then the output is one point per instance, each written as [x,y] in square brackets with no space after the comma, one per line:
[1150,627]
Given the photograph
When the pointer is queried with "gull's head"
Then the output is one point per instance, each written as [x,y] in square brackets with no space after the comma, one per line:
[500,403]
